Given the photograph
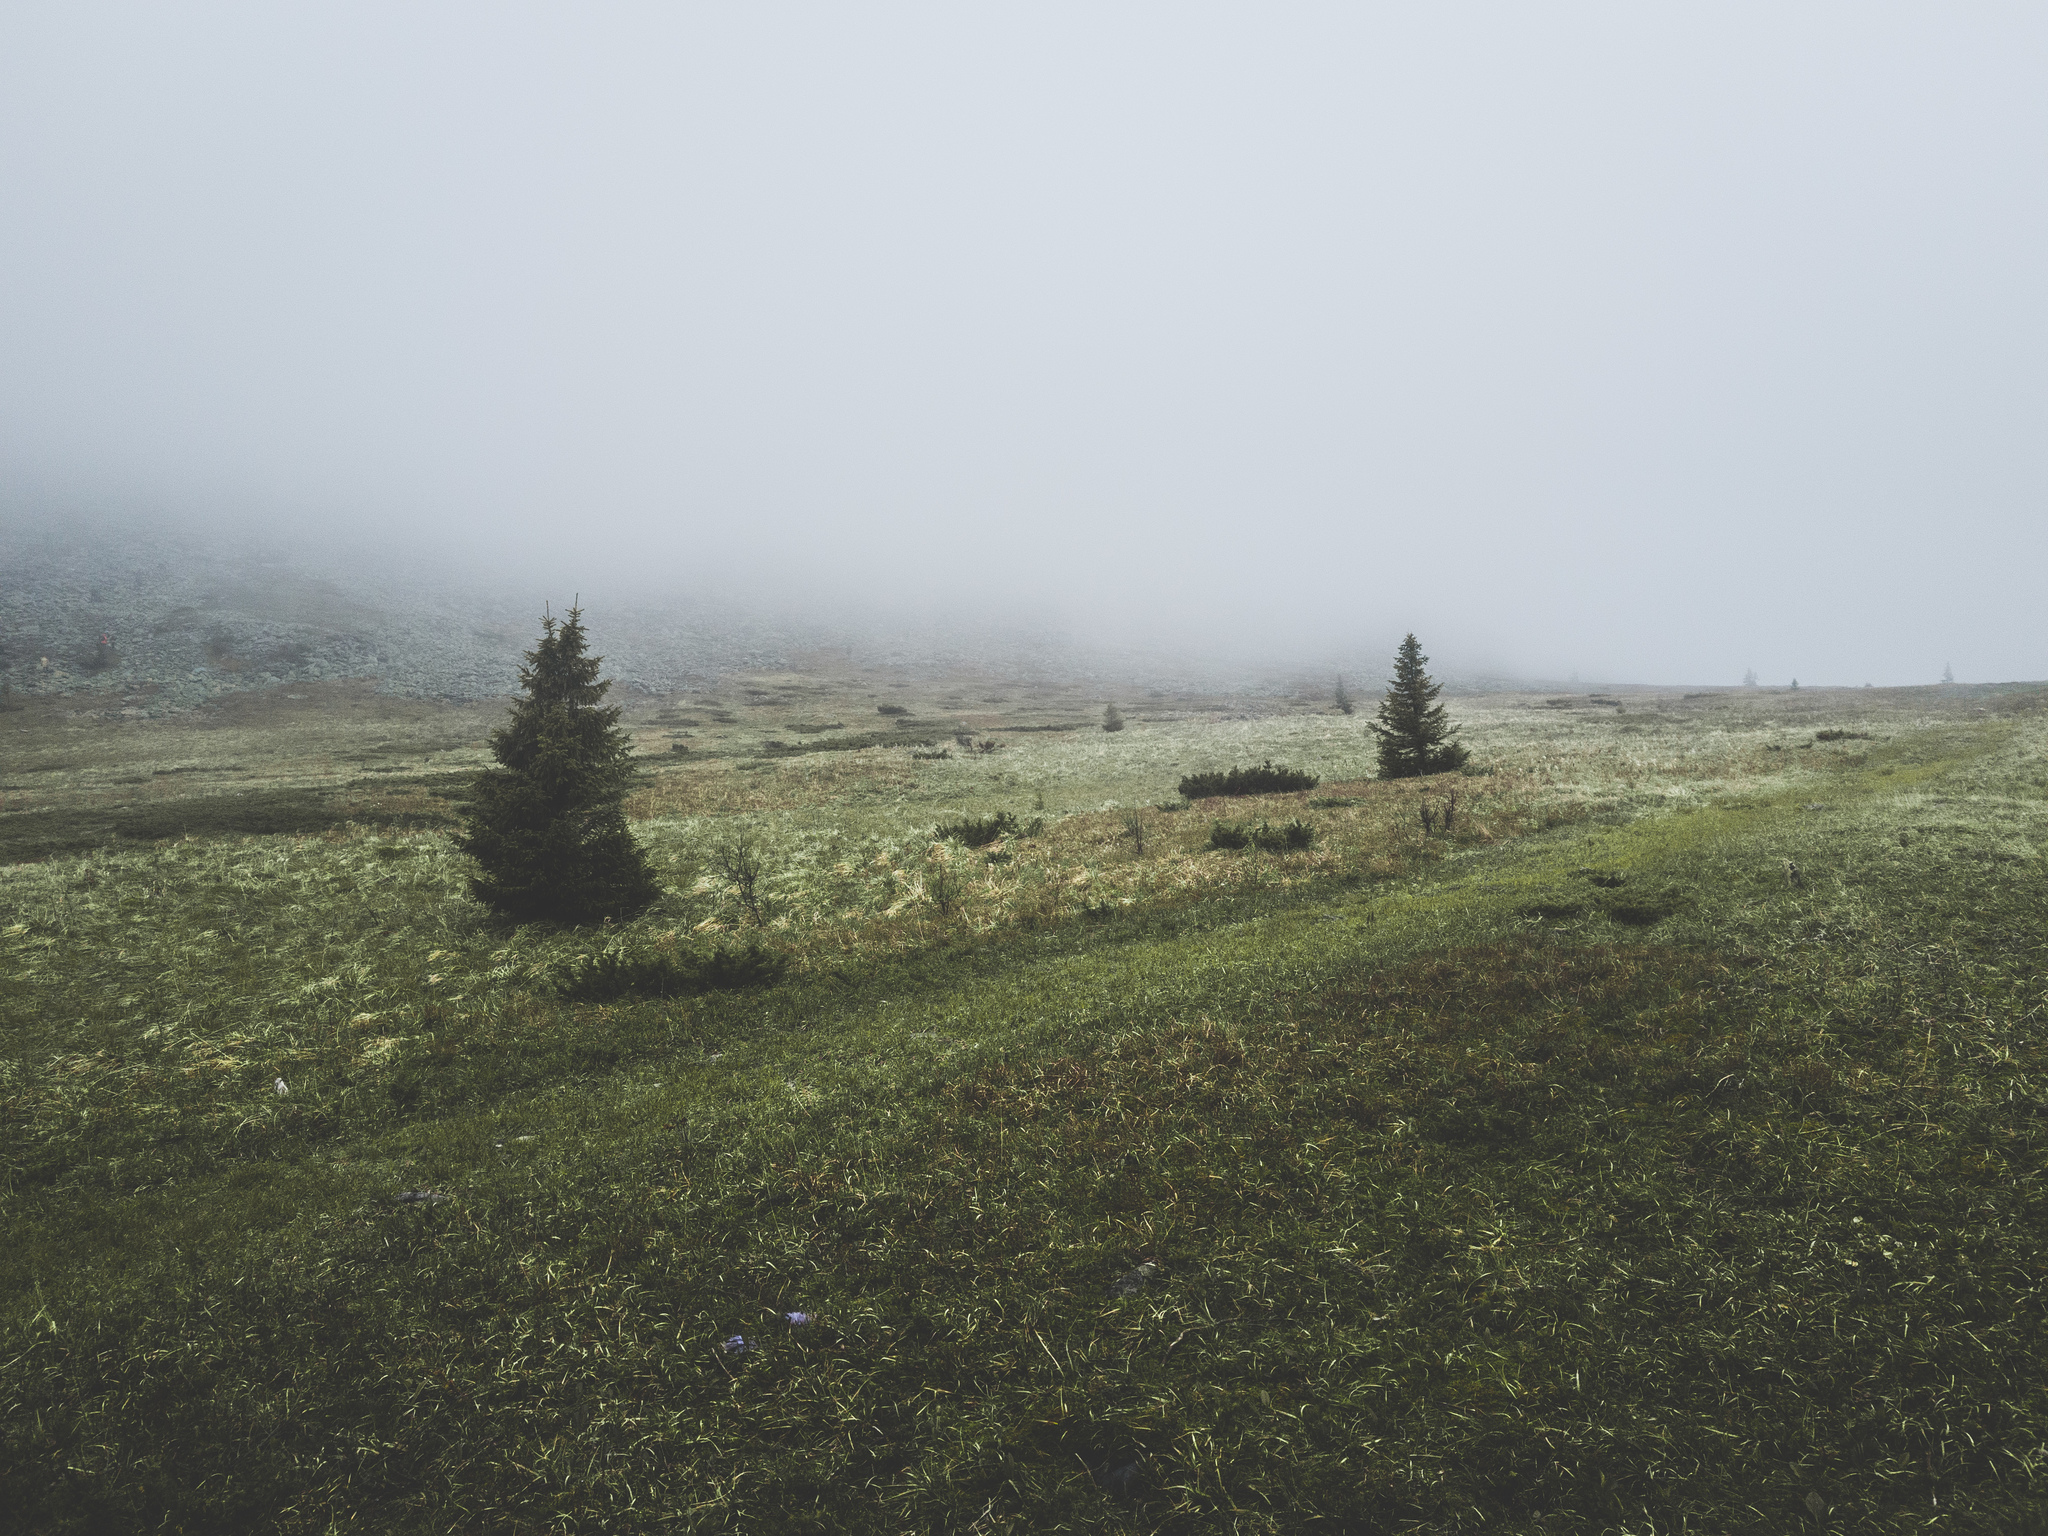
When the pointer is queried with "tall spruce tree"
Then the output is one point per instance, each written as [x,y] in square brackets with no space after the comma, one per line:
[547,827]
[1416,736]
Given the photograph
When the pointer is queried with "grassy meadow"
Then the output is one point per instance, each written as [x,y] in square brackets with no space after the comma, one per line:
[1657,1149]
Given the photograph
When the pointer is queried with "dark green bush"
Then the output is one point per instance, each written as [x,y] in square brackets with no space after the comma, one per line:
[891,709]
[1841,736]
[979,831]
[1223,835]
[852,741]
[621,972]
[1266,779]
[1297,834]
[1291,838]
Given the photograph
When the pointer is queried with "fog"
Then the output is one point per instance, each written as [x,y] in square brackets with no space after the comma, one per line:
[1647,343]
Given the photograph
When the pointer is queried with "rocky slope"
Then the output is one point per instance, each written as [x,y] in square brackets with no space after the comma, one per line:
[161,624]
[150,623]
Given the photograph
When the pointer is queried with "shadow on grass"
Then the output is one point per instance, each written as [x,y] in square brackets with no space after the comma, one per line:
[27,835]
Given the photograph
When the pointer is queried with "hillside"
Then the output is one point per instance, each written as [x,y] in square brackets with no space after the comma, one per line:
[1658,1147]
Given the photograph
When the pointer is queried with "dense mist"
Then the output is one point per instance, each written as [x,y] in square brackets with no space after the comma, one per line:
[1640,344]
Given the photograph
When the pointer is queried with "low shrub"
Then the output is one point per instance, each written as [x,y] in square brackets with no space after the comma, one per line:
[1291,838]
[1296,835]
[1841,736]
[852,741]
[1266,779]
[891,709]
[738,861]
[623,972]
[979,831]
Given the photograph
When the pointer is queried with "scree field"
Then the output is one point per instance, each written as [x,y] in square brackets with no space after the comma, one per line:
[1652,1143]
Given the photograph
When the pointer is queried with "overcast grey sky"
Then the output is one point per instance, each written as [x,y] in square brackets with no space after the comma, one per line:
[1652,341]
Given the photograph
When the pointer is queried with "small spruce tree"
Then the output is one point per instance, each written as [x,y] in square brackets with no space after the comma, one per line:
[1416,736]
[1344,700]
[547,827]
[1111,720]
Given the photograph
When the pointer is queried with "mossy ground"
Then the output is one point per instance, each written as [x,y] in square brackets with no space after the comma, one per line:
[1579,1171]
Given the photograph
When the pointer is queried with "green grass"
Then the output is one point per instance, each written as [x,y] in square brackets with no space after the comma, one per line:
[1594,1179]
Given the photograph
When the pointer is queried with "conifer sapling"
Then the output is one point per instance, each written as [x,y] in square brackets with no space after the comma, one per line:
[1416,736]
[547,827]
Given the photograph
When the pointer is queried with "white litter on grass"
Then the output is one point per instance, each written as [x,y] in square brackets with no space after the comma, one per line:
[281,1089]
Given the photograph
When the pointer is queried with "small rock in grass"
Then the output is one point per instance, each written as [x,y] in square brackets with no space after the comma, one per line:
[1136,1281]
[1121,1480]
